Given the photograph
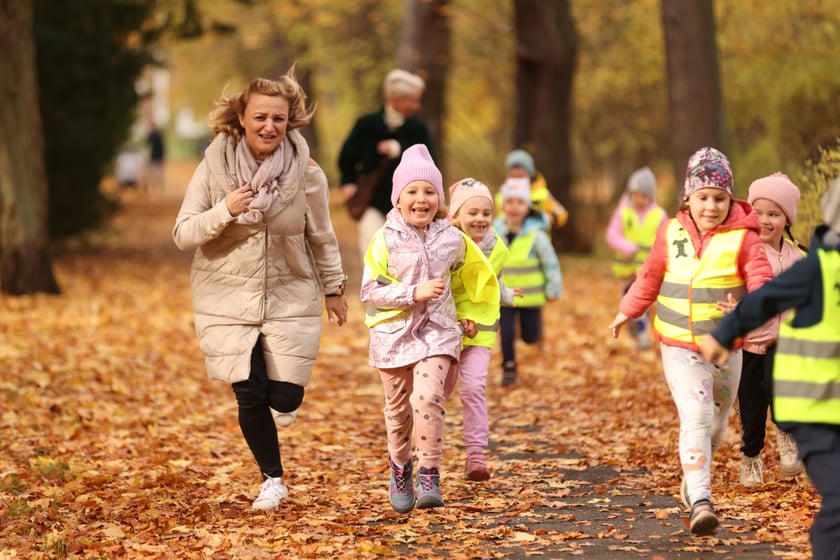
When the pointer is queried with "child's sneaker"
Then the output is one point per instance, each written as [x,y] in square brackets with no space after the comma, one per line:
[789,463]
[271,492]
[284,419]
[752,471]
[477,468]
[703,521]
[428,488]
[508,373]
[401,490]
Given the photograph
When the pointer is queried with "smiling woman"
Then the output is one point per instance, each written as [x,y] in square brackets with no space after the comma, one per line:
[256,213]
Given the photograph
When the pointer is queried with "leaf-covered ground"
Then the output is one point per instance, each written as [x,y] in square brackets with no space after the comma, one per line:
[113,444]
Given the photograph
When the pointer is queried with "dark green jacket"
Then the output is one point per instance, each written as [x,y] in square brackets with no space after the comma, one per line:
[359,155]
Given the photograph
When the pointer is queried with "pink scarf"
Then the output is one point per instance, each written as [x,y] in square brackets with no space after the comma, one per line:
[263,177]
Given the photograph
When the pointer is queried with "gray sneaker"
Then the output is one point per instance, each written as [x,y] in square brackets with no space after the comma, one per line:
[401,490]
[428,488]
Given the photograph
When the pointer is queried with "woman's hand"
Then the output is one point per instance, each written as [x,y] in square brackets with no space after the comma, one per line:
[336,309]
[429,290]
[238,200]
[617,323]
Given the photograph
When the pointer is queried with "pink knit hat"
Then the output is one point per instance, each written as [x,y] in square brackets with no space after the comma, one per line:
[416,164]
[464,190]
[779,189]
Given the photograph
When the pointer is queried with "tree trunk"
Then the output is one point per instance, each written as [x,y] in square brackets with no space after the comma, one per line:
[546,56]
[695,100]
[25,265]
[425,50]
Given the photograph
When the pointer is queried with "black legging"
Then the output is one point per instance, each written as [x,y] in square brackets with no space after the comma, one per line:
[255,397]
[530,328]
[755,394]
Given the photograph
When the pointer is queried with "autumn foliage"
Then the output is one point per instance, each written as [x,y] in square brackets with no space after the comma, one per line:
[113,444]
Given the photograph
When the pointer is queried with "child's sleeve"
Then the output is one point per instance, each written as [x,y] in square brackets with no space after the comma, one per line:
[559,214]
[645,288]
[615,235]
[753,263]
[550,265]
[380,288]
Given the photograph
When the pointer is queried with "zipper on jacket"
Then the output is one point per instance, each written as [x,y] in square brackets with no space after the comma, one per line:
[265,270]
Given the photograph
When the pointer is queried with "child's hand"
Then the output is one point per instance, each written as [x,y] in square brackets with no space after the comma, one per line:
[617,323]
[727,306]
[429,290]
[469,327]
[712,350]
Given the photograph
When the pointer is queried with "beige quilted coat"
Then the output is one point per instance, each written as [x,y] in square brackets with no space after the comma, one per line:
[266,279]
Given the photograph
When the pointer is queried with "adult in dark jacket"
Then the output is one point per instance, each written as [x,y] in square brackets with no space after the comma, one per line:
[377,140]
[806,367]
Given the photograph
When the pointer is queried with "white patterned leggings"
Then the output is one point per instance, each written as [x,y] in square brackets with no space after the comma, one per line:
[704,395]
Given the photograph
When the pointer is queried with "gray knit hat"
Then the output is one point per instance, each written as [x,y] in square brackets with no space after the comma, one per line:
[642,181]
[521,158]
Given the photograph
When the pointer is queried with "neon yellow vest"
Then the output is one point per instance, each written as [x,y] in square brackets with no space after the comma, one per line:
[642,234]
[691,286]
[475,281]
[806,370]
[477,295]
[525,272]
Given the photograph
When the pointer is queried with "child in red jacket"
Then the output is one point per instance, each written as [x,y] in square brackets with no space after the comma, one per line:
[710,251]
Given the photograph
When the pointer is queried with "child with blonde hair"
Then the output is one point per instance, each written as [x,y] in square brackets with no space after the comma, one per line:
[774,199]
[709,250]
[471,211]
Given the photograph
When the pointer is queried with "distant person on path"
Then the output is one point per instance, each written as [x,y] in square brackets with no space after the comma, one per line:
[711,249]
[415,334]
[155,174]
[630,235]
[806,371]
[471,211]
[256,213]
[531,267]
[774,199]
[520,164]
[371,151]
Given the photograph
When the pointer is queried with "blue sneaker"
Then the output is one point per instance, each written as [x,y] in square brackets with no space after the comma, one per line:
[428,488]
[401,489]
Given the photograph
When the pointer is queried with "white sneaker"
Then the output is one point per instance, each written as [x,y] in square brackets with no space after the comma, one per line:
[284,419]
[752,471]
[271,492]
[789,464]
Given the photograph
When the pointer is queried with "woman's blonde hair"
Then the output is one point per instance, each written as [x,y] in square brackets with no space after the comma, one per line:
[229,108]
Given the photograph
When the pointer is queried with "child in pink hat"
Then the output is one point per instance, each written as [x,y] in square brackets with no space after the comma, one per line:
[471,211]
[774,199]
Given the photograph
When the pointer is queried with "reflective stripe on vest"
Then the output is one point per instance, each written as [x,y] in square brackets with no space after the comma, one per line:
[524,271]
[692,286]
[806,369]
[642,234]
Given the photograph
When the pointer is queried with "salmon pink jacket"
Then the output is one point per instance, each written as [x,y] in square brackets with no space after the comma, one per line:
[753,265]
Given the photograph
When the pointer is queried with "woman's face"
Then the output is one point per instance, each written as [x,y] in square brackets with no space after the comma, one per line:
[475,217]
[418,203]
[772,220]
[708,207]
[265,121]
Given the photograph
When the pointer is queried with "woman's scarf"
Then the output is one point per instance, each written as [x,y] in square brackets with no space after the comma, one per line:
[276,180]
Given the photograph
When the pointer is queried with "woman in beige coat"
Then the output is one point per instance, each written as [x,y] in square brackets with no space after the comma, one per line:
[256,213]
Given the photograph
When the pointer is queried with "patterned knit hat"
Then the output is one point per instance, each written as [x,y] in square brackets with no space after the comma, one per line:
[464,190]
[642,181]
[517,187]
[521,158]
[830,206]
[708,168]
[416,164]
[779,189]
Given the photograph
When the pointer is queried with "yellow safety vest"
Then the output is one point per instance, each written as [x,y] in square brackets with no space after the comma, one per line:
[642,234]
[477,295]
[806,370]
[475,281]
[692,286]
[525,272]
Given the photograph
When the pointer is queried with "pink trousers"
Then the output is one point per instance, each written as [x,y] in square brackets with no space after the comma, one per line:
[414,404]
[472,370]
